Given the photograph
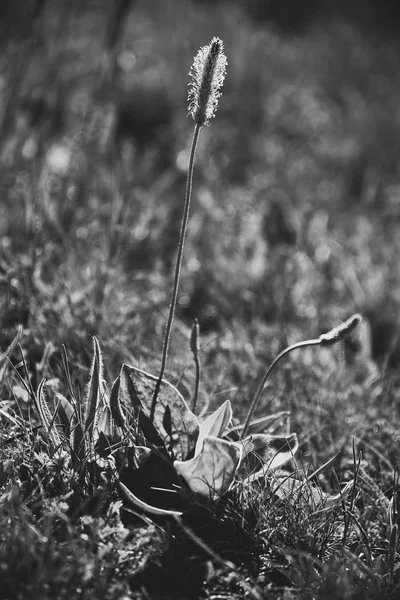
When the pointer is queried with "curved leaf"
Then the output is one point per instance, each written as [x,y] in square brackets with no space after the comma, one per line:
[211,472]
[115,404]
[154,510]
[214,425]
[95,388]
[175,424]
[65,412]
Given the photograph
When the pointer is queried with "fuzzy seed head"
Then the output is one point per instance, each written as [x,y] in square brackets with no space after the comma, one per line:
[341,331]
[207,76]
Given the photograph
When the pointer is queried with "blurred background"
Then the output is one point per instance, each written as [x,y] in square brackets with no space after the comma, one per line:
[296,212]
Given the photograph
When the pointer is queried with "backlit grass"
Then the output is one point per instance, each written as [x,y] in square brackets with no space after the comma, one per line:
[293,228]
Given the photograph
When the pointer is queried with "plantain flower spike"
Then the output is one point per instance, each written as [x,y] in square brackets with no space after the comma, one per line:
[207,76]
[341,331]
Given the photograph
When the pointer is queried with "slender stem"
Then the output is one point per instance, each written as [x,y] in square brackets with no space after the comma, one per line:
[197,382]
[178,264]
[260,389]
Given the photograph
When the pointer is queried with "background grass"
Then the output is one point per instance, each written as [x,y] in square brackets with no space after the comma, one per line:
[294,227]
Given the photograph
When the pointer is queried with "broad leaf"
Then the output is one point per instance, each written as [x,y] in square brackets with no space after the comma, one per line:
[175,424]
[214,425]
[107,436]
[105,423]
[211,472]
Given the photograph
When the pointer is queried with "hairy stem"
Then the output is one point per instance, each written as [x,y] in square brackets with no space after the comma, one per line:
[260,389]
[178,264]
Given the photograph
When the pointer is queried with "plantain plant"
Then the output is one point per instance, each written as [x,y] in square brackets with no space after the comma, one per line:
[167,460]
[141,429]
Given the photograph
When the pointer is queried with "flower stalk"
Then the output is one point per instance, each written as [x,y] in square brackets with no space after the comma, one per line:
[195,348]
[178,264]
[207,73]
[331,337]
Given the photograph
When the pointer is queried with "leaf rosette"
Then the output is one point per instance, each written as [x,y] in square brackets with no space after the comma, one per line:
[187,459]
[166,462]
